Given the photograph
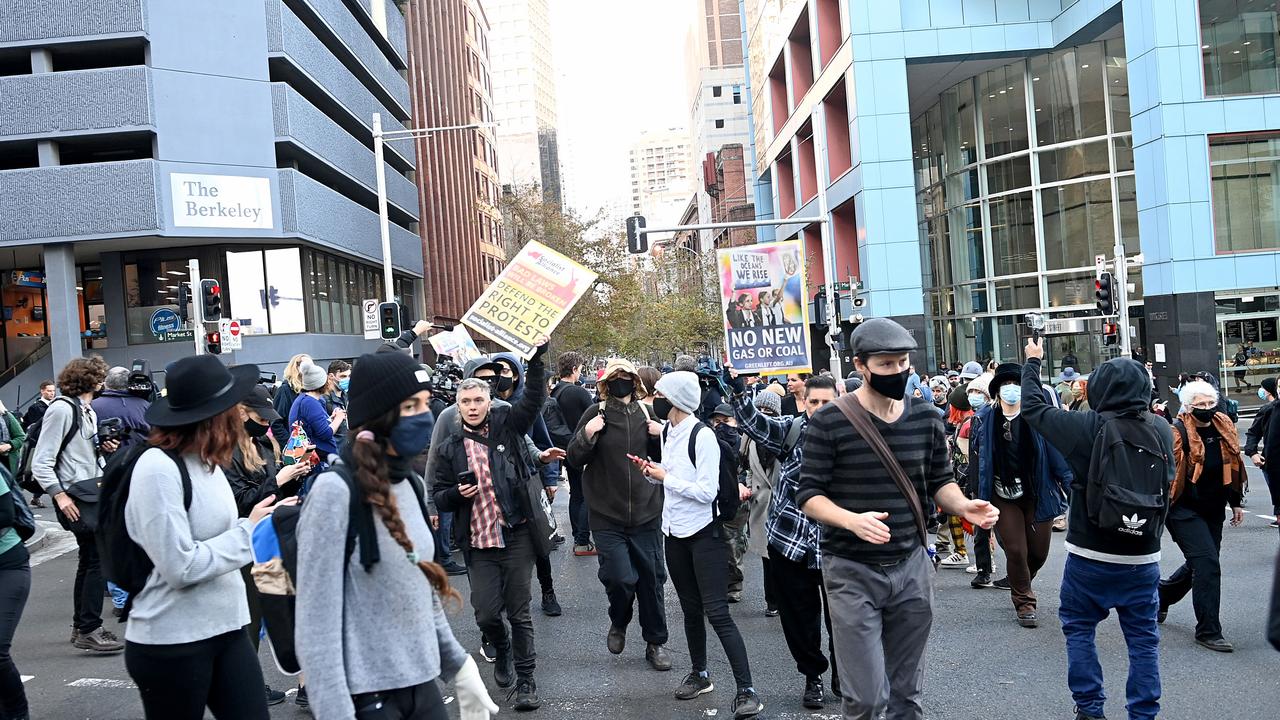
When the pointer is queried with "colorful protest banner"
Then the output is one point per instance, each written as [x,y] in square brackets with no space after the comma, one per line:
[457,344]
[529,299]
[763,295]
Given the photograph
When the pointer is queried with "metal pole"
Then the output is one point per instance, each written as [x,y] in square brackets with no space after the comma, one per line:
[734,224]
[1122,285]
[383,221]
[828,249]
[197,309]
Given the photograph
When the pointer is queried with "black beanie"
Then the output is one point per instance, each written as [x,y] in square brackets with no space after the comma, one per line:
[380,382]
[1270,386]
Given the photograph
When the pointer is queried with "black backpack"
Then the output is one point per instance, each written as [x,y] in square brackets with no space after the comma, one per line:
[727,499]
[557,427]
[124,562]
[26,480]
[1127,491]
[24,521]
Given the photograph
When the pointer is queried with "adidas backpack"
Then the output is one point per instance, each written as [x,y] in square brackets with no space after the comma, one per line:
[1127,491]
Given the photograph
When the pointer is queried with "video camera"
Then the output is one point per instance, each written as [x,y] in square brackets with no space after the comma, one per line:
[445,377]
[140,383]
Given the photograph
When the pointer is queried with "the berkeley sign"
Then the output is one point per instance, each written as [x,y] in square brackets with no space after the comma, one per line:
[221,201]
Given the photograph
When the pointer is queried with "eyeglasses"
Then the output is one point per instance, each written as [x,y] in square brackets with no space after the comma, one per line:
[1008,430]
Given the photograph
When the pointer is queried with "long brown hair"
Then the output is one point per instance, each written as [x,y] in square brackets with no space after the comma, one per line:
[213,440]
[370,456]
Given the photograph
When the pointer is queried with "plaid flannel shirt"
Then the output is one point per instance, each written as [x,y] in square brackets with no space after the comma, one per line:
[789,530]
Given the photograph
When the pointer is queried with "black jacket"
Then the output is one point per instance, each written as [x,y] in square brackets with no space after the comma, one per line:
[508,456]
[252,487]
[573,400]
[34,413]
[615,489]
[1118,385]
[1258,430]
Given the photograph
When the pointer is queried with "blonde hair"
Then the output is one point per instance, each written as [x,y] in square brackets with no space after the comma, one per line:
[293,371]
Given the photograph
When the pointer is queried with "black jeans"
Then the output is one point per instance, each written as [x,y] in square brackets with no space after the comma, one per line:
[500,582]
[632,569]
[982,549]
[579,515]
[254,628]
[1200,538]
[803,609]
[770,596]
[90,586]
[176,682]
[15,586]
[545,581]
[419,702]
[699,567]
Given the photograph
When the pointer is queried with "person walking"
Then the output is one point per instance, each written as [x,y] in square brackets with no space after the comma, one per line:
[1025,478]
[339,372]
[375,642]
[1262,436]
[309,409]
[573,401]
[1107,567]
[875,566]
[1206,448]
[186,645]
[697,556]
[761,469]
[67,452]
[35,412]
[978,397]
[117,402]
[12,439]
[625,509]
[15,587]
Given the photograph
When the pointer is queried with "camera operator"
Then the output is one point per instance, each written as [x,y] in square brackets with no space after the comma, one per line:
[121,413]
[708,374]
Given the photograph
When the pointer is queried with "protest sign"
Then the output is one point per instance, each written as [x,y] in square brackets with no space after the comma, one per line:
[763,295]
[529,299]
[457,344]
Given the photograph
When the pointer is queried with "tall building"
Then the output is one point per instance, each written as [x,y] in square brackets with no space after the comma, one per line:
[145,134]
[661,179]
[996,149]
[461,225]
[525,95]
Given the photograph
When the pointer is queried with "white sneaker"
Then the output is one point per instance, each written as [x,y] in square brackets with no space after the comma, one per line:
[972,569]
[955,560]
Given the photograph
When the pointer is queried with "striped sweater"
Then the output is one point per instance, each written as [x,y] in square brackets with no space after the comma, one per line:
[840,465]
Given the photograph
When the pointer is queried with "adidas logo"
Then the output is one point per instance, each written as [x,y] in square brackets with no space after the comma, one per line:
[1132,525]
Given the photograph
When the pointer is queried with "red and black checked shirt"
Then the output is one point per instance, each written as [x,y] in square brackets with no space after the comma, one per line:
[486,514]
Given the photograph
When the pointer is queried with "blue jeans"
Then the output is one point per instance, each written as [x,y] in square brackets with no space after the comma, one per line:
[444,554]
[1090,589]
[118,597]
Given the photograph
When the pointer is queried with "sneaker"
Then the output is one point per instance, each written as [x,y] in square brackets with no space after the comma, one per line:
[36,502]
[454,568]
[1274,523]
[585,550]
[694,684]
[813,694]
[1216,645]
[1162,614]
[550,606]
[1002,584]
[504,668]
[274,697]
[981,581]
[526,693]
[617,639]
[658,657]
[100,641]
[942,546]
[301,698]
[972,569]
[771,611]
[746,704]
[1027,619]
[488,652]
[75,634]
[735,597]
[1082,715]
[955,560]
[557,539]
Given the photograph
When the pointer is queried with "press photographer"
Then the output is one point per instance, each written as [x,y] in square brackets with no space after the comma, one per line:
[122,408]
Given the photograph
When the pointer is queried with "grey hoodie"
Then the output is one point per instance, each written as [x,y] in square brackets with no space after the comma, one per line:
[80,460]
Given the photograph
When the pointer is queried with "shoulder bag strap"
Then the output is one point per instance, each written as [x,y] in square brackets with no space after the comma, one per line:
[862,424]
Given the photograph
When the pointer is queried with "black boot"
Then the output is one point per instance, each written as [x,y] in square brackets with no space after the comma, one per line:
[504,668]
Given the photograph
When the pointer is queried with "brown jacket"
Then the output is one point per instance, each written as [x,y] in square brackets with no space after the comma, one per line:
[1190,459]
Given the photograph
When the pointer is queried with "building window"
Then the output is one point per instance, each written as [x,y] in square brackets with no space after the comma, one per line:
[737,95]
[1245,171]
[1238,41]
[151,300]
[716,91]
[719,124]
[264,291]
[334,290]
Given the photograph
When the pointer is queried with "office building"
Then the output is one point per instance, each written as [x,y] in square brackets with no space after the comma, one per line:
[661,178]
[138,135]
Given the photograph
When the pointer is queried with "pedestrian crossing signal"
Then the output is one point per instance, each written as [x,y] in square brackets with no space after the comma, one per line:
[213,343]
[637,240]
[389,320]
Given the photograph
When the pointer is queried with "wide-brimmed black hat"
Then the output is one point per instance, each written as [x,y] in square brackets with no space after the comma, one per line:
[199,387]
[1004,373]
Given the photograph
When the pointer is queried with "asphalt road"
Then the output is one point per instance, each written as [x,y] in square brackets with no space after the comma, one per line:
[980,663]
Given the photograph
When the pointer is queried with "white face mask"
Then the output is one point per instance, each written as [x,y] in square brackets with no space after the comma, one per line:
[1011,394]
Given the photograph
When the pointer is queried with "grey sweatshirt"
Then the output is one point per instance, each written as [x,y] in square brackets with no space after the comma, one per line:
[80,460]
[195,591]
[357,631]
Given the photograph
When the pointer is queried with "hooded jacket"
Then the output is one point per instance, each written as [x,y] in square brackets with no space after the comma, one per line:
[538,433]
[1120,385]
[1051,474]
[615,489]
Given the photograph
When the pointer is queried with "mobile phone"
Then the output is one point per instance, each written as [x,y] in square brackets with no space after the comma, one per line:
[467,477]
[642,462]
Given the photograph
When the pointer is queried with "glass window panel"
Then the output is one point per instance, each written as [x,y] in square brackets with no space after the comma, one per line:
[960,130]
[1244,175]
[1124,153]
[1008,347]
[940,250]
[1009,174]
[1013,234]
[984,343]
[1004,110]
[151,284]
[1238,47]
[1073,162]
[319,288]
[1127,207]
[247,297]
[1071,289]
[961,187]
[1077,224]
[1067,89]
[284,273]
[966,257]
[1118,85]
[1017,294]
[971,299]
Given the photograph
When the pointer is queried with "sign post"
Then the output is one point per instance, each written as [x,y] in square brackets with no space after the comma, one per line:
[232,337]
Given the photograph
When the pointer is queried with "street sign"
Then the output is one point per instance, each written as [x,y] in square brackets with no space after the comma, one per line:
[372,331]
[232,337]
[164,321]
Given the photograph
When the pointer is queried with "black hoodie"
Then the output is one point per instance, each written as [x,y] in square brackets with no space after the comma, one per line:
[1118,385]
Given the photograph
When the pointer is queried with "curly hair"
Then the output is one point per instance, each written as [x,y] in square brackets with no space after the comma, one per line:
[82,375]
[370,455]
[567,363]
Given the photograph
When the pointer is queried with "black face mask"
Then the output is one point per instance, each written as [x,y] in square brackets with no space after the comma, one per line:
[504,384]
[255,429]
[1204,415]
[661,408]
[891,386]
[620,388]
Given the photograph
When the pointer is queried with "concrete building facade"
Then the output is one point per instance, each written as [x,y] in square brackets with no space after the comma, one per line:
[662,181]
[136,135]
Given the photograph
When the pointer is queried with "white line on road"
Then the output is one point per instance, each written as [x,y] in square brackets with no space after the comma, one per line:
[1267,517]
[102,683]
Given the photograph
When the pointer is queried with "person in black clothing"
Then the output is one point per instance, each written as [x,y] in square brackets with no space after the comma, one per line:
[35,411]
[339,380]
[15,586]
[1206,448]
[793,402]
[574,401]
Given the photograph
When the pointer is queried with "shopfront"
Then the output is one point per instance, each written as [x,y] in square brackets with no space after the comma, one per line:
[1248,342]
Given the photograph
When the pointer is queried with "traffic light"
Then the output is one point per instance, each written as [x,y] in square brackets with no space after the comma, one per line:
[389,320]
[1105,294]
[637,242]
[211,300]
[184,300]
[273,296]
[1111,334]
[213,343]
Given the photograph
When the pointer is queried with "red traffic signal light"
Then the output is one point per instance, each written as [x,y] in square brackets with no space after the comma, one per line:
[213,343]
[210,300]
[1104,294]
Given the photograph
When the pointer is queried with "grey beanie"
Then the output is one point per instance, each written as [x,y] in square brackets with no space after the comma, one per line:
[768,401]
[682,389]
[313,377]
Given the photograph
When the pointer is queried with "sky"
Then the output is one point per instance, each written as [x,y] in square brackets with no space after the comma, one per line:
[620,70]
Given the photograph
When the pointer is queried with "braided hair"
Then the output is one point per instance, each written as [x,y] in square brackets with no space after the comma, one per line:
[369,453]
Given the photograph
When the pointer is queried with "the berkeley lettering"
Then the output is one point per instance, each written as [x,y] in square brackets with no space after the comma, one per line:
[218,209]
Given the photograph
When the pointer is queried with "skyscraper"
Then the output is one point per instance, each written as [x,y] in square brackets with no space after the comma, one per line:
[661,181]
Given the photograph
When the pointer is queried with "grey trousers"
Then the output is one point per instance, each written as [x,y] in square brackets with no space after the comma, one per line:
[880,618]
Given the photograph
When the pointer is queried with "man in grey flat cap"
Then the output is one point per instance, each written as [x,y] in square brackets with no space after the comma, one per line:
[872,459]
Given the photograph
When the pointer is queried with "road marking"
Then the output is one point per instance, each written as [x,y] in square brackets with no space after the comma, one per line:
[102,683]
[1267,517]
[25,678]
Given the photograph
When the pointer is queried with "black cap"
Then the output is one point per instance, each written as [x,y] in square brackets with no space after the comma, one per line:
[724,409]
[380,382]
[260,402]
[1269,385]
[881,336]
